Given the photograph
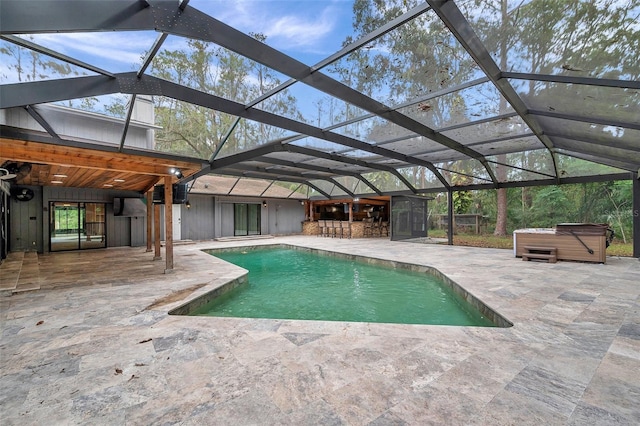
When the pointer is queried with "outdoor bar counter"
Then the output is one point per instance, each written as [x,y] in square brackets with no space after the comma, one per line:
[313,228]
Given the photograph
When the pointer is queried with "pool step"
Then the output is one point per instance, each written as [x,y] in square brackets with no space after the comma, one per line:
[542,253]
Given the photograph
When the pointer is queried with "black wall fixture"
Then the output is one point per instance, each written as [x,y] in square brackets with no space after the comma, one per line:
[22,194]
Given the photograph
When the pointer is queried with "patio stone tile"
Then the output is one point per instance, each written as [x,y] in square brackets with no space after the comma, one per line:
[95,344]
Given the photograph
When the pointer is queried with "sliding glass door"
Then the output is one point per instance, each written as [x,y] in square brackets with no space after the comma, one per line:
[246,219]
[77,226]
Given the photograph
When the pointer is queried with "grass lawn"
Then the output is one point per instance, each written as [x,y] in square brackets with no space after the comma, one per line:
[617,248]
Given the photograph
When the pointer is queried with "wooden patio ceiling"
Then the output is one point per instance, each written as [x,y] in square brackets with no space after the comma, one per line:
[37,163]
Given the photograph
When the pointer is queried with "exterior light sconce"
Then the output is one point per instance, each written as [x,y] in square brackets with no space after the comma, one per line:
[176,172]
[264,203]
[188,204]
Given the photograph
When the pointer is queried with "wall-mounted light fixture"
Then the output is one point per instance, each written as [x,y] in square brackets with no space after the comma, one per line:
[188,204]
[264,203]
[176,172]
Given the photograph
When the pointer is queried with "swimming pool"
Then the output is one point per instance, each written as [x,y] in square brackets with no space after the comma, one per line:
[289,283]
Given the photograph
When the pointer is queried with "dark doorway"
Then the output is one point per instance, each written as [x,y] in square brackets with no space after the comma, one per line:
[409,217]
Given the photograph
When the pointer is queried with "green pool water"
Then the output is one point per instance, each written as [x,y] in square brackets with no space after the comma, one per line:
[296,284]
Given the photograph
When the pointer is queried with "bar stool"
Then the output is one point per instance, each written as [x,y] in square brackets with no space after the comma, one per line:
[345,229]
[368,227]
[322,228]
[384,227]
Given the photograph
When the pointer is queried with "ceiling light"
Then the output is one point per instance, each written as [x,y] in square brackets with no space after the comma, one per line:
[108,185]
[56,181]
[60,176]
[118,180]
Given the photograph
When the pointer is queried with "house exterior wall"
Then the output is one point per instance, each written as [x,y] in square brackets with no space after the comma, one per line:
[121,231]
[208,217]
[25,219]
[285,216]
[29,220]
[74,124]
[280,217]
[198,220]
[211,217]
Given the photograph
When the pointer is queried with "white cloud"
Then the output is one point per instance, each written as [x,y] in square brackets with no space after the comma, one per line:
[297,31]
[287,25]
[113,49]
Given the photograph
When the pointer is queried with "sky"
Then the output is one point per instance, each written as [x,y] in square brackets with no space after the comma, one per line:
[311,29]
[307,30]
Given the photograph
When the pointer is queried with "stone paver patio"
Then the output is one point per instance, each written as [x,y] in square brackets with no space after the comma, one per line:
[92,343]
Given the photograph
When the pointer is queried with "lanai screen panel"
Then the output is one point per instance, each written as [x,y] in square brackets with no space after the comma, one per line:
[411,61]
[421,177]
[409,218]
[300,102]
[458,88]
[523,166]
[581,38]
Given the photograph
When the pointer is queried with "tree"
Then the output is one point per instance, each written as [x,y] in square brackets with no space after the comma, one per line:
[28,65]
[194,130]
[403,66]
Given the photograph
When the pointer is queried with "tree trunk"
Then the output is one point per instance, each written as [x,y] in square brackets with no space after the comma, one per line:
[501,216]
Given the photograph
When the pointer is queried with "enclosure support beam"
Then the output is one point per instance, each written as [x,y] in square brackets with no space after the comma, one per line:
[149,220]
[168,224]
[156,232]
[451,16]
[127,121]
[450,216]
[636,214]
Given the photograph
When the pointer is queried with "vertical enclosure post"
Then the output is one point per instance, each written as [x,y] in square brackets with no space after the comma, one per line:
[149,220]
[636,214]
[450,216]
[156,231]
[168,224]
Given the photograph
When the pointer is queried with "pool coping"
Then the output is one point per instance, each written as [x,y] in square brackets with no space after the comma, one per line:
[201,300]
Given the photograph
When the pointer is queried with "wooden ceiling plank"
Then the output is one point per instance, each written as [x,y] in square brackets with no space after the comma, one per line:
[77,157]
[85,168]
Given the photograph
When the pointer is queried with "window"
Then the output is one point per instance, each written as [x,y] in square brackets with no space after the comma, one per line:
[246,219]
[76,226]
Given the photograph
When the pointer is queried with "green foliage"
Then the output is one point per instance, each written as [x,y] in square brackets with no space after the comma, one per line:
[28,65]
[200,131]
[462,200]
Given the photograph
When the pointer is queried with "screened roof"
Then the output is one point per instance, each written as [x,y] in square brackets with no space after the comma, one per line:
[359,98]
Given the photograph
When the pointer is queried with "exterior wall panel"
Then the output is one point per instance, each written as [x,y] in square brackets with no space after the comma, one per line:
[25,223]
[121,231]
[198,221]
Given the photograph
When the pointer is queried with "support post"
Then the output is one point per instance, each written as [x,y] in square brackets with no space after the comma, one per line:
[351,211]
[636,214]
[149,220]
[156,231]
[450,216]
[168,224]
